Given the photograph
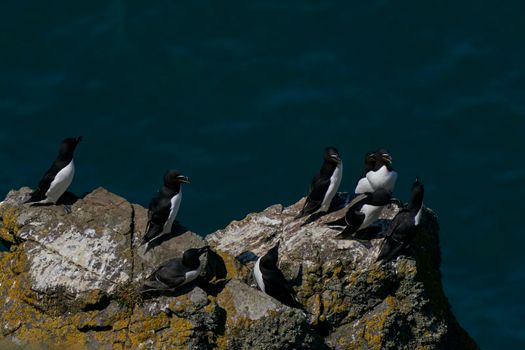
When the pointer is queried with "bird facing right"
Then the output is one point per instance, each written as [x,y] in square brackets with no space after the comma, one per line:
[164,206]
[325,185]
[176,272]
[362,212]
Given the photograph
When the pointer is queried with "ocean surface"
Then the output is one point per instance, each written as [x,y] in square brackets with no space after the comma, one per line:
[243,97]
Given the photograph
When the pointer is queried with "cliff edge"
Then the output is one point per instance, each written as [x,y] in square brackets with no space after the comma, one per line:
[71,280]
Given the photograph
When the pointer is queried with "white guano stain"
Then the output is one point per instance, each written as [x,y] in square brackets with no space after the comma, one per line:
[78,260]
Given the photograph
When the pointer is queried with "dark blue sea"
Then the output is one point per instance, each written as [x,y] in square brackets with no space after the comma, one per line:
[242,96]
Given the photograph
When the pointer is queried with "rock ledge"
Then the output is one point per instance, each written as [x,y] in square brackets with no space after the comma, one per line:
[70,281]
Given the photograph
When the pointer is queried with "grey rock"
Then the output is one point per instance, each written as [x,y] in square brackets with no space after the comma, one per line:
[72,279]
[351,300]
[257,321]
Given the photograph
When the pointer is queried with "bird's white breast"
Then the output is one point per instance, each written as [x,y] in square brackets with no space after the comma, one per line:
[335,182]
[60,183]
[372,213]
[175,205]
[382,178]
[191,275]
[417,218]
[258,275]
[363,186]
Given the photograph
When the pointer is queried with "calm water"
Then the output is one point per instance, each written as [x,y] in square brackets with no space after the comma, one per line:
[244,97]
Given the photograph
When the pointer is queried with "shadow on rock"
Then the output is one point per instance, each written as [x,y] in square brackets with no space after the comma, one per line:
[172,292]
[340,200]
[216,274]
[176,230]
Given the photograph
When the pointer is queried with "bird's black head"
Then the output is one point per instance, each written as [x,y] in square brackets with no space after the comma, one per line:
[173,179]
[370,161]
[418,192]
[376,159]
[331,154]
[383,157]
[190,258]
[68,146]
[270,259]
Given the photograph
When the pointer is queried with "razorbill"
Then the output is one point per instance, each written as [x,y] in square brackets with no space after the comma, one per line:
[59,176]
[362,211]
[324,185]
[403,227]
[164,206]
[271,280]
[378,173]
[176,272]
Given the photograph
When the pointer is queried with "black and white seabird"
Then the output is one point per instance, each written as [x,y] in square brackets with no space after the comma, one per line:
[164,206]
[271,280]
[378,173]
[362,211]
[176,272]
[57,179]
[324,185]
[403,227]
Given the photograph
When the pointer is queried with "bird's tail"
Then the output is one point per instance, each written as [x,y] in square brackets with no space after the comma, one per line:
[36,196]
[153,286]
[338,222]
[152,230]
[389,249]
[300,215]
[348,233]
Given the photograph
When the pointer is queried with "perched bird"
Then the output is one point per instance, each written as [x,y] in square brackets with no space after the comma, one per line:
[164,206]
[362,211]
[272,281]
[324,186]
[57,179]
[378,173]
[176,272]
[403,227]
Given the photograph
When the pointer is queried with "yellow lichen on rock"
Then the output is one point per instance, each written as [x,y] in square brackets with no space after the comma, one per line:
[9,226]
[233,268]
[373,330]
[375,274]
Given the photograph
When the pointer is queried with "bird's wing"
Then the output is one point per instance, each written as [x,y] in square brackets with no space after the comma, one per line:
[170,273]
[351,209]
[159,211]
[45,182]
[396,223]
[50,174]
[395,236]
[156,204]
[318,189]
[356,200]
[354,219]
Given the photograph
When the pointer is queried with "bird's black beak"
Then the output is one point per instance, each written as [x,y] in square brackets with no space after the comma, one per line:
[336,158]
[275,249]
[203,250]
[183,179]
[387,158]
[79,139]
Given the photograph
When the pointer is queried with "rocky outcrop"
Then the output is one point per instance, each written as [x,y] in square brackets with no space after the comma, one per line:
[71,280]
